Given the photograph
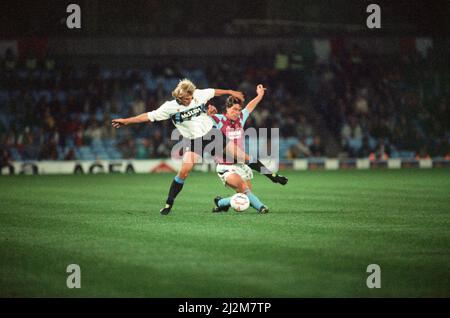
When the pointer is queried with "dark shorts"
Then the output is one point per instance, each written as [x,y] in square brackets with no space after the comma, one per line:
[212,143]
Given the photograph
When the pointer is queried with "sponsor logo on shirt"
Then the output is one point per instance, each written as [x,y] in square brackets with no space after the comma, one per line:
[185,115]
[234,134]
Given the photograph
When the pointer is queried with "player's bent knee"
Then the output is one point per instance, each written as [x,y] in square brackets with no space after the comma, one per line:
[238,184]
[243,187]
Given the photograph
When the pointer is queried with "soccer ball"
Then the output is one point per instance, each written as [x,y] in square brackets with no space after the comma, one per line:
[240,202]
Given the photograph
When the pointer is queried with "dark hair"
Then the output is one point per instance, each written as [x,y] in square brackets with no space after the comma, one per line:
[231,100]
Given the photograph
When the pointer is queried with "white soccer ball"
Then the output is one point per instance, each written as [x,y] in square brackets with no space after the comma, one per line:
[240,202]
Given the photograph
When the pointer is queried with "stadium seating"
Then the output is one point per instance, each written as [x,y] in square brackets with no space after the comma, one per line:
[119,87]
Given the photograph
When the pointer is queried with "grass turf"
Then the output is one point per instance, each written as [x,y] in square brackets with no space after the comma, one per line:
[324,229]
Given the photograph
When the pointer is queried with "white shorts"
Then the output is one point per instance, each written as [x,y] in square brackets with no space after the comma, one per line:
[223,171]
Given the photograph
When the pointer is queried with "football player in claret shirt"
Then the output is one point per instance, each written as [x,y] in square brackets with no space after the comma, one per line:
[234,172]
[189,114]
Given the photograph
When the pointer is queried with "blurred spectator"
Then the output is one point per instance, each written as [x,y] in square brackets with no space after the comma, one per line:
[382,150]
[49,121]
[48,150]
[128,148]
[70,154]
[350,130]
[160,146]
[365,150]
[299,150]
[94,132]
[361,105]
[138,105]
[442,148]
[31,61]
[79,136]
[142,149]
[10,61]
[317,149]
[281,62]
[303,128]
[5,157]
[49,63]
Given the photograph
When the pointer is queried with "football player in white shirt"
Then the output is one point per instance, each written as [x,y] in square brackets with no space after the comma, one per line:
[189,113]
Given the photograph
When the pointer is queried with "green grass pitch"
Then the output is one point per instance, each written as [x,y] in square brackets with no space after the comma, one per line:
[324,229]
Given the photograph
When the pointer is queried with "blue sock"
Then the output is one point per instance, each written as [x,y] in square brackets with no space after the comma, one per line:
[175,188]
[224,202]
[254,201]
[179,180]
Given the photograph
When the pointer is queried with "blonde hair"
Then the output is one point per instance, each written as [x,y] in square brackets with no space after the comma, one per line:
[184,87]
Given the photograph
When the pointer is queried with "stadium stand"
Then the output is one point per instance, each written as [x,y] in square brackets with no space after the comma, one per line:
[352,105]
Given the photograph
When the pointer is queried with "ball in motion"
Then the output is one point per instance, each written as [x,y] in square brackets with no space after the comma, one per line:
[240,202]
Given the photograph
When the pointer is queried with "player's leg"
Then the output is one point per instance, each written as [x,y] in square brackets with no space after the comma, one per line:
[255,202]
[239,180]
[189,160]
[242,157]
[234,181]
[223,171]
[274,177]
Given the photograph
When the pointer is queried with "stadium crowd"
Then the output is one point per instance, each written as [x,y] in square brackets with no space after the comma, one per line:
[371,106]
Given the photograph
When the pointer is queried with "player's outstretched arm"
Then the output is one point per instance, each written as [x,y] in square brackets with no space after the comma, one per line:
[237,94]
[120,122]
[255,101]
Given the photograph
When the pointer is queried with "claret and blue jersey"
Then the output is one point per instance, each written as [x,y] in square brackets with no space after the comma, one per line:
[220,120]
[232,129]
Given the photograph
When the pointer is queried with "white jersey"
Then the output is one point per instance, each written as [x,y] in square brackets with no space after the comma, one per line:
[192,121]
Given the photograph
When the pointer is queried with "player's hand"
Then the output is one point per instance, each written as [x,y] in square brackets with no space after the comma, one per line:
[260,89]
[212,110]
[119,122]
[238,95]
